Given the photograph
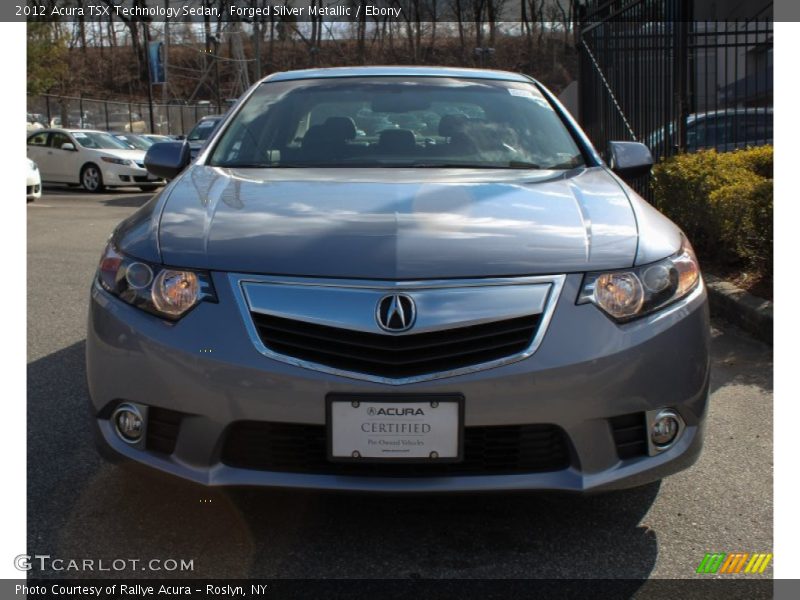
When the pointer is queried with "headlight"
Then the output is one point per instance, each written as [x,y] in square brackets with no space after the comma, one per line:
[116,161]
[631,293]
[166,292]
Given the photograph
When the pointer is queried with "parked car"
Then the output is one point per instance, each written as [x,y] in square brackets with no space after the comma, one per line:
[94,159]
[133,140]
[489,307]
[34,182]
[722,130]
[33,122]
[157,138]
[76,120]
[201,132]
[128,122]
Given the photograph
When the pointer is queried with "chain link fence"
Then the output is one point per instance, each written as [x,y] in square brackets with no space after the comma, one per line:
[109,115]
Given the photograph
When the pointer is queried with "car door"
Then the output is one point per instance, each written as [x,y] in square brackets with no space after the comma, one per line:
[38,152]
[64,162]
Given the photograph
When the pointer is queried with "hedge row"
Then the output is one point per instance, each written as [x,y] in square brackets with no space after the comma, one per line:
[723,202]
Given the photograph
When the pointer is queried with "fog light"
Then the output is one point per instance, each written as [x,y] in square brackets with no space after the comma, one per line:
[128,422]
[665,429]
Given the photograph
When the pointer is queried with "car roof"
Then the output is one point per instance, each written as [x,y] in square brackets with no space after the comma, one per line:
[400,71]
[48,130]
[63,130]
[78,130]
[752,110]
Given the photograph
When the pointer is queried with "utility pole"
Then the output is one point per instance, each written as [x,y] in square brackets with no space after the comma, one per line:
[146,32]
[215,41]
[164,56]
[257,34]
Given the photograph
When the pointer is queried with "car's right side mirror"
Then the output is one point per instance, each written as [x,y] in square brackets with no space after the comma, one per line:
[167,159]
[68,146]
[629,159]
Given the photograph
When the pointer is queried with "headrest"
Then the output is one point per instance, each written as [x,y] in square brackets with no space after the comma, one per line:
[341,127]
[449,125]
[398,140]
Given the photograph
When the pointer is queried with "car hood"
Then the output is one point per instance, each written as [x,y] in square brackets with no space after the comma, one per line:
[395,223]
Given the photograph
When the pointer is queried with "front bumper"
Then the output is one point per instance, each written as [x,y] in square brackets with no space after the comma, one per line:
[33,186]
[586,371]
[123,175]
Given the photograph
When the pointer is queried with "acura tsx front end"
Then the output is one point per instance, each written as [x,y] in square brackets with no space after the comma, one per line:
[400,279]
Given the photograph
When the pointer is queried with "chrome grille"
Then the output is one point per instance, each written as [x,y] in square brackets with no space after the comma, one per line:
[458,325]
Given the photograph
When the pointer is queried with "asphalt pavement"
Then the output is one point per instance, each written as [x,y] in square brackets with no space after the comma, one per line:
[82,507]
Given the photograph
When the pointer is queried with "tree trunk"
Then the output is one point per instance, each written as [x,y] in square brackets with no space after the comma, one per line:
[460,20]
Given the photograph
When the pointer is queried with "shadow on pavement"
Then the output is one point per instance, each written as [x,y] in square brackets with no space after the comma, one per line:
[122,197]
[55,189]
[737,358]
[82,507]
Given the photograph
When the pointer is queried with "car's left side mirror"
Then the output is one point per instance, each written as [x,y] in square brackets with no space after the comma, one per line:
[167,159]
[629,159]
[68,146]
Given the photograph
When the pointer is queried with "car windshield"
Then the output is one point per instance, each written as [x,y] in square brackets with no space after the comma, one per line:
[98,140]
[202,130]
[387,122]
[140,143]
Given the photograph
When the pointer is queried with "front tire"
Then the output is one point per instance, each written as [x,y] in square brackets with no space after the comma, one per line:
[92,178]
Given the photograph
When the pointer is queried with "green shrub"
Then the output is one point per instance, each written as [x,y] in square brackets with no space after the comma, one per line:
[745,221]
[723,202]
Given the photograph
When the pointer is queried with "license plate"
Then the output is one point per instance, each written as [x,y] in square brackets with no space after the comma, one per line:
[395,428]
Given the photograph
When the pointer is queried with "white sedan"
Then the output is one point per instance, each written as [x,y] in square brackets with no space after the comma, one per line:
[94,159]
[34,182]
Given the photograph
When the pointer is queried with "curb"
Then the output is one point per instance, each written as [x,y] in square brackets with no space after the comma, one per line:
[749,312]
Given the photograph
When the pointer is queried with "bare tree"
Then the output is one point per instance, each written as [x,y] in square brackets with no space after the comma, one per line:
[478,7]
[457,10]
[494,10]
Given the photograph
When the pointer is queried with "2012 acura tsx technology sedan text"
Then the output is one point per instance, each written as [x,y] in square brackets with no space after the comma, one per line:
[400,279]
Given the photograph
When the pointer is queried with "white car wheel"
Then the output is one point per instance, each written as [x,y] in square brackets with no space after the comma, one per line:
[92,179]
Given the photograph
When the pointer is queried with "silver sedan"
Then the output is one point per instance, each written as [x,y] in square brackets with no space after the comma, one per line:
[400,279]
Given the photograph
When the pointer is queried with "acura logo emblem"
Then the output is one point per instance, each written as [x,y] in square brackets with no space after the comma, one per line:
[396,313]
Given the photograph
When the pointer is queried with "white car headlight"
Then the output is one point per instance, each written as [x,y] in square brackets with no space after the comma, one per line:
[116,161]
[631,293]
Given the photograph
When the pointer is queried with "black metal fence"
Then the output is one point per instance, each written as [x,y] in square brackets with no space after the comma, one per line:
[109,115]
[651,73]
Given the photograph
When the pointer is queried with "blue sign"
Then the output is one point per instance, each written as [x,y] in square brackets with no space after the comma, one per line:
[155,53]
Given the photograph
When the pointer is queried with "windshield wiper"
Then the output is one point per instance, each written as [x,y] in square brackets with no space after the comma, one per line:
[521,164]
[242,165]
[451,165]
[514,164]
